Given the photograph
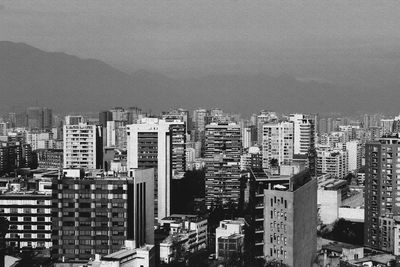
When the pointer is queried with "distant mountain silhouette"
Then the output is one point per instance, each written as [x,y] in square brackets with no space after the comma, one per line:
[29,76]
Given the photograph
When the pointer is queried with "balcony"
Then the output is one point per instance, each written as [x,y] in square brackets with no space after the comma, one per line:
[259,242]
[259,230]
[259,206]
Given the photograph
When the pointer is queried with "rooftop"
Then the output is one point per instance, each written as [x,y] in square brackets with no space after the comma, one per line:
[339,246]
[124,253]
[330,183]
[378,258]
[184,217]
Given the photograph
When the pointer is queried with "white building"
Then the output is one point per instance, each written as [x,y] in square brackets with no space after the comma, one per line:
[82,146]
[40,140]
[180,222]
[387,125]
[29,214]
[227,228]
[332,161]
[353,149]
[187,232]
[277,143]
[252,159]
[3,129]
[149,145]
[246,137]
[127,257]
[263,118]
[302,133]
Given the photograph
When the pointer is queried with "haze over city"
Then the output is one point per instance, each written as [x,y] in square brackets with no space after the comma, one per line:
[349,46]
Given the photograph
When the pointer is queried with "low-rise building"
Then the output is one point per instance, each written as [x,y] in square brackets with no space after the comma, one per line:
[187,234]
[230,247]
[131,256]
[228,228]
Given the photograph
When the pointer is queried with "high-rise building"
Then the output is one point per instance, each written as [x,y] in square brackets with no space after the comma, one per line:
[116,134]
[14,155]
[133,114]
[303,130]
[332,161]
[118,114]
[386,125]
[40,140]
[39,118]
[277,143]
[47,119]
[289,235]
[29,212]
[178,153]
[246,137]
[200,120]
[96,215]
[50,158]
[353,149]
[263,118]
[381,190]
[83,145]
[223,148]
[12,119]
[251,159]
[21,119]
[35,117]
[323,126]
[3,129]
[104,117]
[74,119]
[181,115]
[149,146]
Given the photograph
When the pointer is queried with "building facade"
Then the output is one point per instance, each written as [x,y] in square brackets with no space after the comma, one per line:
[83,145]
[382,179]
[303,133]
[149,146]
[277,143]
[222,153]
[96,215]
[29,214]
[289,228]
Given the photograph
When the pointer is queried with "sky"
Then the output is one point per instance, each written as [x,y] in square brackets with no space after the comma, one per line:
[330,40]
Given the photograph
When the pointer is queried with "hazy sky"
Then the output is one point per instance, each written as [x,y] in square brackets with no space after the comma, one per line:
[323,39]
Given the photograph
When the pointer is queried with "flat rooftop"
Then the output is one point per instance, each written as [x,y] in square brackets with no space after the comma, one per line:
[124,253]
[377,259]
[184,217]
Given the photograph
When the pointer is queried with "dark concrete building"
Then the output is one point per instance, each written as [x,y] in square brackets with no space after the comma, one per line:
[382,179]
[29,214]
[14,155]
[49,158]
[290,220]
[95,215]
[223,147]
[281,213]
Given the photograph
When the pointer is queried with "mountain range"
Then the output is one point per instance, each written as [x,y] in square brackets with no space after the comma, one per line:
[66,83]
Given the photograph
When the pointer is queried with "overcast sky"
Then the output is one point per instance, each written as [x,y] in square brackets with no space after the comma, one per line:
[323,39]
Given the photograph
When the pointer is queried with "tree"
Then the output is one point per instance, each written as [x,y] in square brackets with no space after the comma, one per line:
[274,163]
